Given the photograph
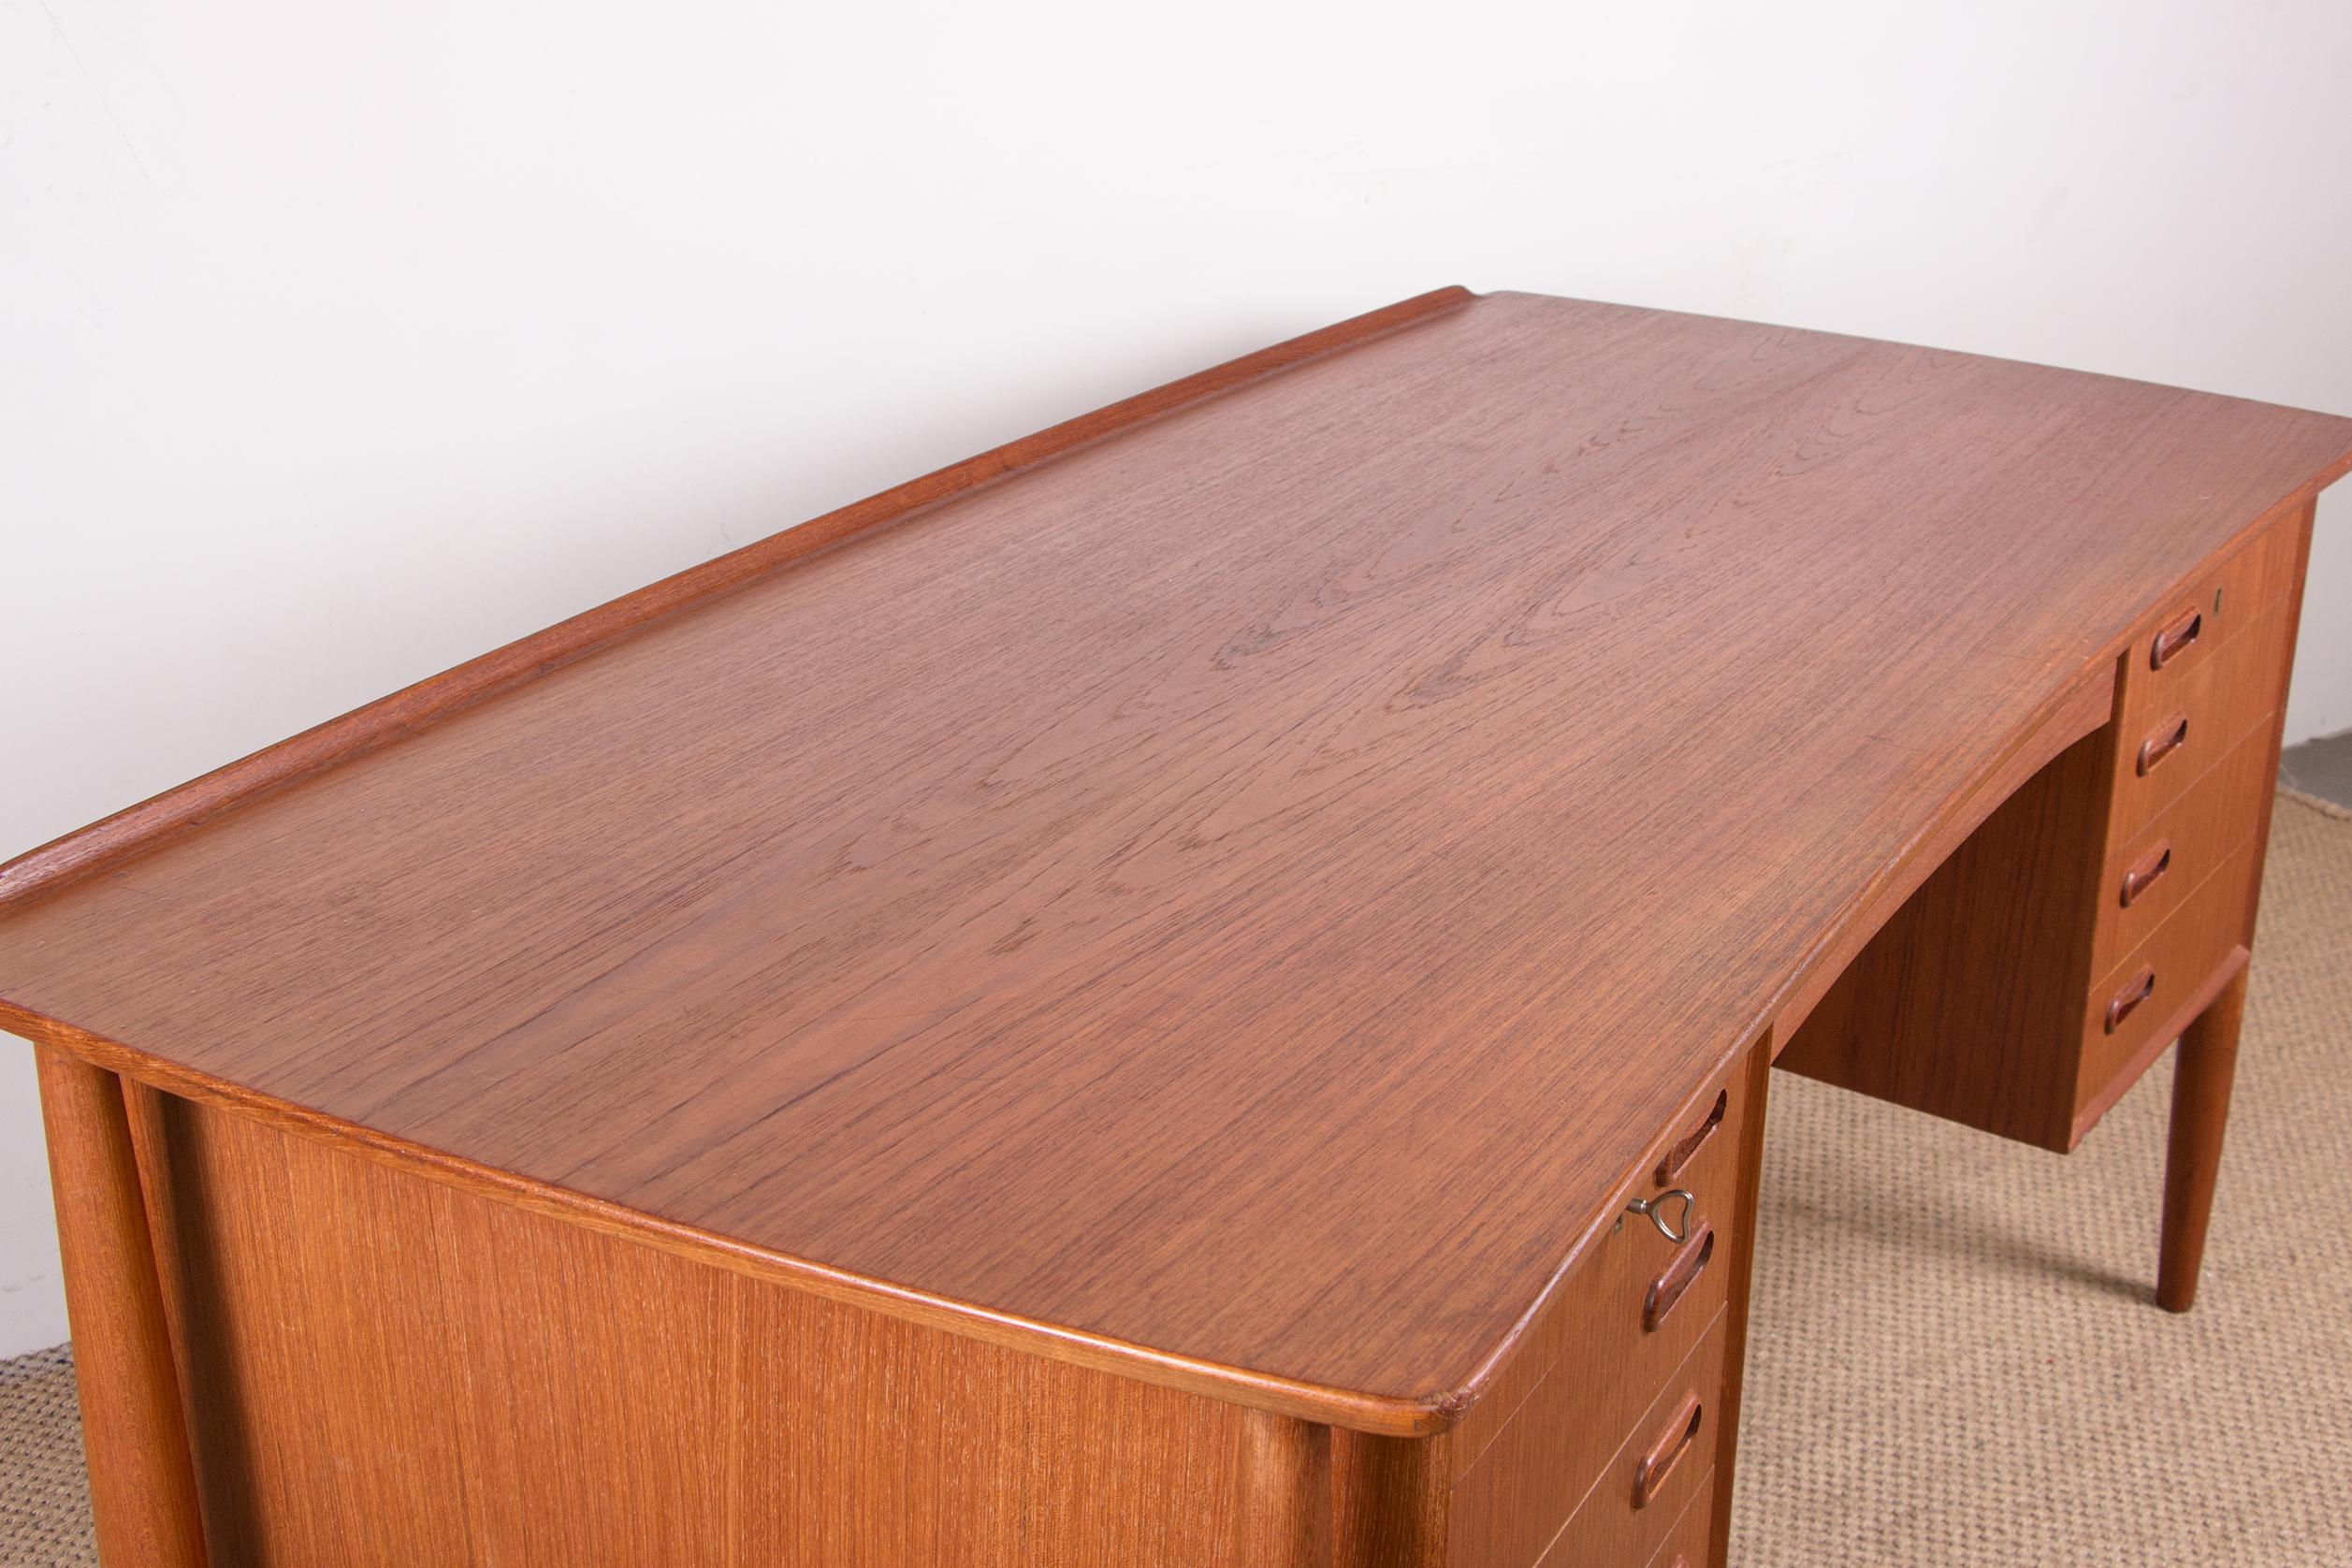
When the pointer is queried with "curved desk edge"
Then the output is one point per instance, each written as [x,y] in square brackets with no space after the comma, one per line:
[1381,1414]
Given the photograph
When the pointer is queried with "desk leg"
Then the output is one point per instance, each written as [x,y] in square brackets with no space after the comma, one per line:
[2207,1063]
[1758,1070]
[142,1486]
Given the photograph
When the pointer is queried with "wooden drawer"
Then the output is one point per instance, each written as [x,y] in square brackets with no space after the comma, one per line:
[2168,973]
[2204,716]
[2151,874]
[1627,1515]
[1530,1448]
[1685,1546]
[2252,588]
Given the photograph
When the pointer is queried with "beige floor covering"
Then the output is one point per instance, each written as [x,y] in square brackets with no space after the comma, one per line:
[44,1499]
[1954,1357]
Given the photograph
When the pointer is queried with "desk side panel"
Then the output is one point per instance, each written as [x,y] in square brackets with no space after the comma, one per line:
[384,1369]
[1966,1003]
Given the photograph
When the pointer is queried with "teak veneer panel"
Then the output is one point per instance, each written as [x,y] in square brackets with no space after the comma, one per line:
[1969,1003]
[2194,833]
[1233,895]
[2245,592]
[1689,1544]
[1606,1526]
[2185,952]
[563,1396]
[1587,1367]
[2237,692]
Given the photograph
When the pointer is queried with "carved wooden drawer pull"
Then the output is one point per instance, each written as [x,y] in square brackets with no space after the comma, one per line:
[2181,634]
[1667,1452]
[1689,1261]
[2155,863]
[2136,990]
[2162,741]
[1689,1143]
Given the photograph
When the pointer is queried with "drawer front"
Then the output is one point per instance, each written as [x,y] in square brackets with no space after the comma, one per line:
[2130,1008]
[2205,715]
[1623,1322]
[1686,1545]
[2151,874]
[1664,1467]
[2251,588]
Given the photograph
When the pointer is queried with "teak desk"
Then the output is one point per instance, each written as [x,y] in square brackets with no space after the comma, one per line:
[1109,1005]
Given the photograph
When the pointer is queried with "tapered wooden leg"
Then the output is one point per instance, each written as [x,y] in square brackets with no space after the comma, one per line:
[2207,1063]
[142,1486]
[1742,1264]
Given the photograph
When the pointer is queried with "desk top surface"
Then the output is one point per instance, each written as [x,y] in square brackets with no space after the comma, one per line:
[1245,889]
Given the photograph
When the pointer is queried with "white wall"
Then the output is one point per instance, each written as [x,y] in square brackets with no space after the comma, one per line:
[338,344]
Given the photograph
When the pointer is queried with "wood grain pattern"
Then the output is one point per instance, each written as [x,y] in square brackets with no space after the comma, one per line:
[2291,585]
[1586,1368]
[2182,955]
[2079,714]
[385,1369]
[1236,900]
[141,827]
[1391,1500]
[2231,696]
[1523,1458]
[1695,1540]
[2098,1096]
[1608,1526]
[142,1486]
[2195,835]
[2244,590]
[1968,1002]
[1986,997]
